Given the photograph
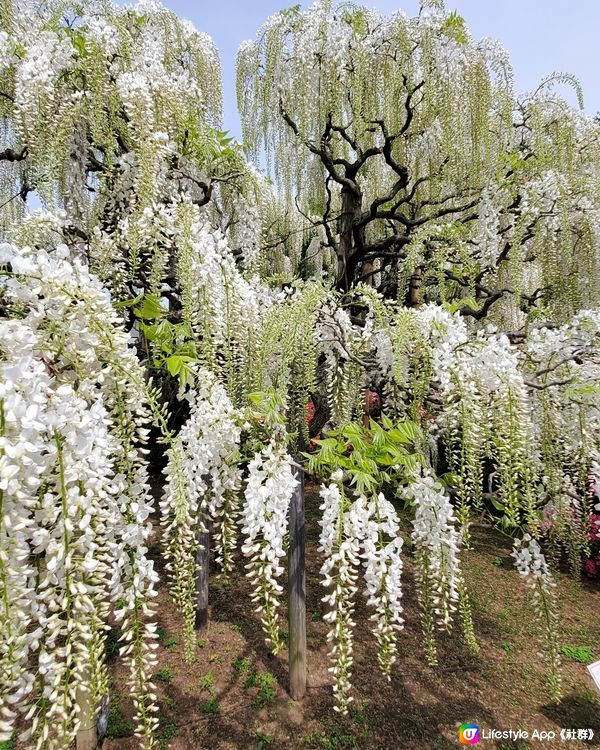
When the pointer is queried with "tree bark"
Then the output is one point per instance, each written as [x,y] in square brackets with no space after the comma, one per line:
[202,561]
[297,592]
[347,255]
[415,286]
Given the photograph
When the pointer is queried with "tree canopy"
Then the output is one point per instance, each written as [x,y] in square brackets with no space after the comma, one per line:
[400,263]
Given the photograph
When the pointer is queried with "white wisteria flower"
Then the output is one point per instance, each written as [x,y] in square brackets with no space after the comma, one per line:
[264,520]
[201,491]
[75,501]
[533,568]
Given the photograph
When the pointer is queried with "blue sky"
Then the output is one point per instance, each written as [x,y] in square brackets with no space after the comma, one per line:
[542,36]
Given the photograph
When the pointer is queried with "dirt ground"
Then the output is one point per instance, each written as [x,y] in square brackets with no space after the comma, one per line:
[234,695]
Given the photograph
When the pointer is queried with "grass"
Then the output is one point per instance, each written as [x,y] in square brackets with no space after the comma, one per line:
[581,654]
[262,740]
[167,729]
[245,668]
[251,678]
[266,684]
[207,682]
[168,641]
[333,739]
[112,644]
[118,725]
[211,706]
[360,715]
[164,674]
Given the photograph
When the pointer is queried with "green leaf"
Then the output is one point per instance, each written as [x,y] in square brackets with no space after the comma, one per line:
[386,422]
[174,365]
[405,433]
[497,504]
[188,350]
[454,27]
[468,302]
[448,479]
[150,309]
[128,302]
[79,43]
[178,366]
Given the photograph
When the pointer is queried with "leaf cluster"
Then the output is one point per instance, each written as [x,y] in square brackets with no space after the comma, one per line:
[171,344]
[371,456]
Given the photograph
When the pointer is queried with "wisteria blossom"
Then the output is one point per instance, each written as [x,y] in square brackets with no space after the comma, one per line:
[402,247]
[361,533]
[75,500]
[201,492]
[534,570]
[436,543]
[263,520]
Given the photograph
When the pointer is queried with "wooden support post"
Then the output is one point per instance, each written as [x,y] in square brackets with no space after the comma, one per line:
[87,736]
[297,592]
[202,560]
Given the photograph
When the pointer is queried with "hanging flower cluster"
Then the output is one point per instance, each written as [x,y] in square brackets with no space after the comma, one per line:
[339,544]
[264,517]
[486,412]
[354,532]
[533,568]
[418,172]
[342,345]
[566,359]
[382,546]
[221,306]
[201,492]
[74,497]
[91,82]
[439,578]
[286,358]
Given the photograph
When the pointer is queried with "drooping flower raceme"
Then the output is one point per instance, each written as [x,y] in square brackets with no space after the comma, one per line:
[339,544]
[436,544]
[24,461]
[486,409]
[201,492]
[341,343]
[75,500]
[364,530]
[382,546]
[533,568]
[264,519]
